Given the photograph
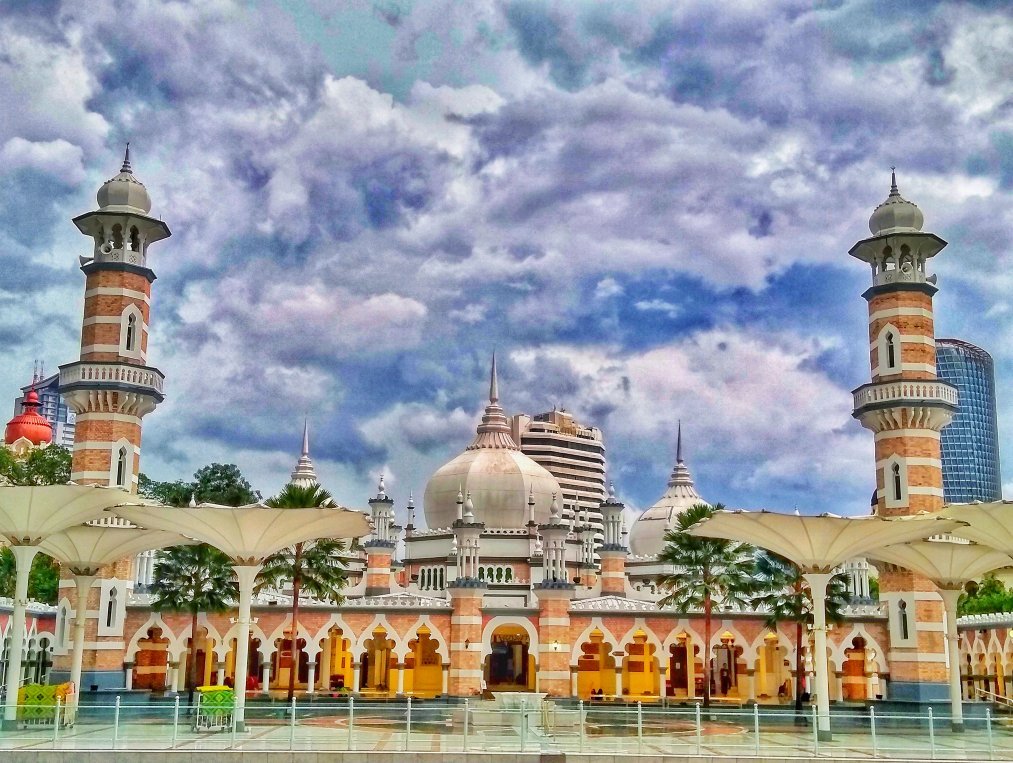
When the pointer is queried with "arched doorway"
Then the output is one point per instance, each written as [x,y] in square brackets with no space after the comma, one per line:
[509,666]
[335,657]
[641,677]
[596,667]
[725,668]
[151,661]
[205,661]
[685,670]
[423,666]
[773,676]
[853,681]
[377,672]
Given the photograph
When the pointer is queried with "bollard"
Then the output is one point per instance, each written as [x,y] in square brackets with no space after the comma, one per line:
[640,728]
[699,731]
[467,712]
[351,720]
[56,724]
[988,732]
[872,730]
[291,726]
[116,722]
[175,722]
[580,726]
[756,729]
[932,736]
[408,727]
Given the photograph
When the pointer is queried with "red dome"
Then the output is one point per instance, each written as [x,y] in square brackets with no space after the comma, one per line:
[29,424]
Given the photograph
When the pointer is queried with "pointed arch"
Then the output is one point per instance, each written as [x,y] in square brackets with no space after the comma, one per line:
[154,621]
[888,350]
[520,621]
[595,624]
[434,633]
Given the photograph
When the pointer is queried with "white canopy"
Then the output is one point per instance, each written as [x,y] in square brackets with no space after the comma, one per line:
[29,514]
[945,563]
[990,524]
[85,548]
[249,534]
[819,543]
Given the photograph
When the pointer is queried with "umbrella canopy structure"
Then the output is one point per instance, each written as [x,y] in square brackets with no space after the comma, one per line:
[819,544]
[84,550]
[949,565]
[28,515]
[990,524]
[248,535]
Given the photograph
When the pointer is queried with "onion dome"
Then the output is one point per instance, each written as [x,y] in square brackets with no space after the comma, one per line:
[124,192]
[896,214]
[647,538]
[499,478]
[29,424]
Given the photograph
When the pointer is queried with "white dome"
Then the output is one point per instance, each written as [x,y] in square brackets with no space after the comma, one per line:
[124,193]
[647,538]
[896,214]
[499,478]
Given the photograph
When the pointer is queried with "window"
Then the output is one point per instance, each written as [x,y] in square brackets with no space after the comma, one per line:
[131,332]
[904,631]
[897,489]
[121,467]
[111,608]
[888,350]
[891,351]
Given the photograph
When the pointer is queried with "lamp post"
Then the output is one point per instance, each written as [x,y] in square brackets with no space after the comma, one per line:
[248,535]
[817,545]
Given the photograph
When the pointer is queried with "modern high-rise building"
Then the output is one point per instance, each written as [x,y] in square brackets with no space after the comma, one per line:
[970,444]
[52,407]
[572,453]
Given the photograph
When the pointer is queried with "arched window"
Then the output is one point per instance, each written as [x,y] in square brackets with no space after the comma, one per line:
[117,236]
[111,608]
[135,240]
[481,573]
[897,491]
[61,626]
[441,579]
[121,467]
[902,608]
[509,574]
[891,351]
[131,332]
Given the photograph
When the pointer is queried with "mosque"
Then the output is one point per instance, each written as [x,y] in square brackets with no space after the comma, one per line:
[497,591]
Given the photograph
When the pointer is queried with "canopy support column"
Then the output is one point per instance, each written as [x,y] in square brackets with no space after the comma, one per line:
[23,556]
[246,575]
[949,597]
[818,586]
[83,584]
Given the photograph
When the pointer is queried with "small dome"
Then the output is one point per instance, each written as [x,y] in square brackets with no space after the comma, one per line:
[124,193]
[29,424]
[499,479]
[647,538]
[896,214]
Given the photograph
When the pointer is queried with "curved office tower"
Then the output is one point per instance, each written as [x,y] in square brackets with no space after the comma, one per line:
[970,444]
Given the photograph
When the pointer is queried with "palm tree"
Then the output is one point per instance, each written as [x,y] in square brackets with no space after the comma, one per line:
[316,566]
[707,571]
[786,597]
[193,579]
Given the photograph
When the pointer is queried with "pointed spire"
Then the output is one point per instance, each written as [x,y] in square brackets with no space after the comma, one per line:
[305,436]
[126,160]
[893,182]
[411,500]
[493,381]
[304,474]
[678,444]
[381,490]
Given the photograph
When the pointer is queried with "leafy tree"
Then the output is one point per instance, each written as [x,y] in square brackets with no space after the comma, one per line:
[193,579]
[787,597]
[986,597]
[40,466]
[316,567]
[708,571]
[223,484]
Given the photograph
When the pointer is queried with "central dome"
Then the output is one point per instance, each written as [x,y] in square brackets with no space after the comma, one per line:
[502,481]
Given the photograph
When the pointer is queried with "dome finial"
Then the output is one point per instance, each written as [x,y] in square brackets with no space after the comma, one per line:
[305,436]
[493,381]
[893,182]
[126,160]
[678,444]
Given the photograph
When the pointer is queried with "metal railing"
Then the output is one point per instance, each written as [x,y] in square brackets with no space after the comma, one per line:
[475,725]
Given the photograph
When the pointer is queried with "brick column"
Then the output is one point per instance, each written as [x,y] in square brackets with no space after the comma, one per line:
[466,637]
[554,638]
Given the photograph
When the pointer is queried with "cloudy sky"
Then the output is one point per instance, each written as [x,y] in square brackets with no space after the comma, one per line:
[645,207]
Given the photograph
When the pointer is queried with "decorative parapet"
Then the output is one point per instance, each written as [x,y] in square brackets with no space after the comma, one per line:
[33,607]
[905,393]
[988,620]
[396,601]
[85,373]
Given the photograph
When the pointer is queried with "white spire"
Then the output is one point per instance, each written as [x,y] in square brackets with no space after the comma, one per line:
[304,474]
[469,509]
[494,431]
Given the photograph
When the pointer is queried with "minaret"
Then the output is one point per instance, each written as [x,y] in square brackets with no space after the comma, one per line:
[111,388]
[381,544]
[554,594]
[613,551]
[304,474]
[906,406]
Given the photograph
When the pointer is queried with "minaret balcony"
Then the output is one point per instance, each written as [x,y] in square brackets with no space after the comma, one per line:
[930,404]
[132,380]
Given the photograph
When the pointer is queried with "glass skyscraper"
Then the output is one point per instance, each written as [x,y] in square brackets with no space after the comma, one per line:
[970,444]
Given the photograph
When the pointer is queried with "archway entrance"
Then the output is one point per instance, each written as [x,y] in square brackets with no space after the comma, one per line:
[641,677]
[337,673]
[724,667]
[596,668]
[685,670]
[773,679]
[377,672]
[853,680]
[151,661]
[423,666]
[509,666]
[205,661]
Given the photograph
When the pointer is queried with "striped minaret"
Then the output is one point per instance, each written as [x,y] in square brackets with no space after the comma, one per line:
[906,406]
[111,388]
